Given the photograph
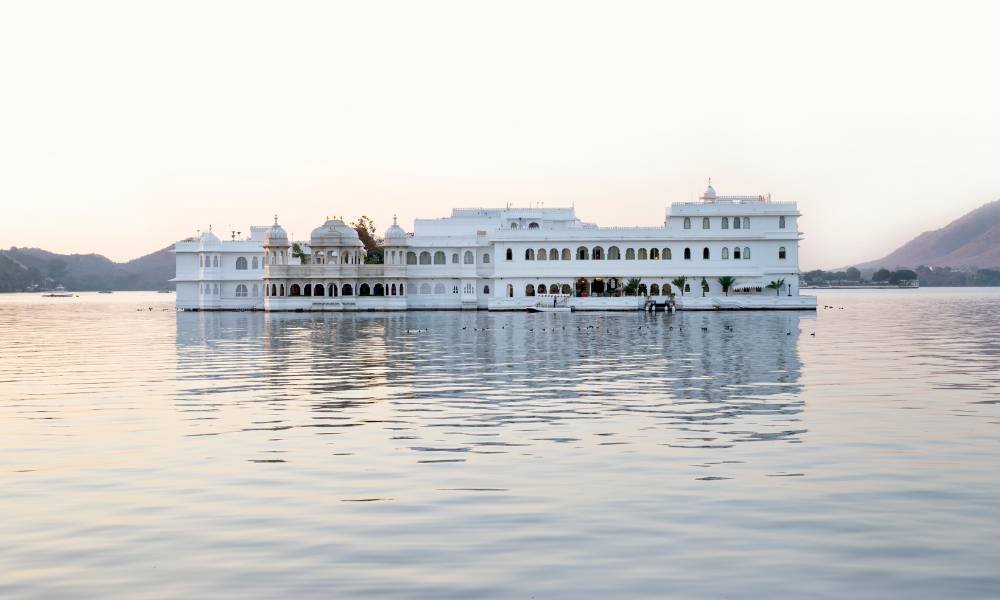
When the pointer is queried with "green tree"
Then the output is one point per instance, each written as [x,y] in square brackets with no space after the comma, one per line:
[726,281]
[902,275]
[632,286]
[776,285]
[882,274]
[853,274]
[679,283]
[298,253]
[370,238]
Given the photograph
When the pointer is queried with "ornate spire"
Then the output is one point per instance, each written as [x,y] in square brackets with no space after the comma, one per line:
[275,218]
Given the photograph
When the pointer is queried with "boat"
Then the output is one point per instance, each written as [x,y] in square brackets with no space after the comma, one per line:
[57,295]
[555,307]
[104,292]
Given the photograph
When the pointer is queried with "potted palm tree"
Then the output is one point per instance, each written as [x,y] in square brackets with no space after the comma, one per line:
[679,283]
[726,281]
[776,286]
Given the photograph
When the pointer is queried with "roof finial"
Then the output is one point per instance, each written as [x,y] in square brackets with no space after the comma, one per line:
[393,219]
[210,228]
[275,218]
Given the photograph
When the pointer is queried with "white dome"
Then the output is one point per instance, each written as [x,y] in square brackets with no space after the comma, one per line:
[209,239]
[334,233]
[709,192]
[276,235]
[395,232]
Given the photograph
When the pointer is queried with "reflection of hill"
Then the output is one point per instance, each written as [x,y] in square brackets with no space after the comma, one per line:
[730,377]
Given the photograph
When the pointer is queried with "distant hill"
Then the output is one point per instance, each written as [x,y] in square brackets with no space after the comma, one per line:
[971,241]
[24,267]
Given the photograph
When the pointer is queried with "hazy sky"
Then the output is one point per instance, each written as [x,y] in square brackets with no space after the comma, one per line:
[126,126]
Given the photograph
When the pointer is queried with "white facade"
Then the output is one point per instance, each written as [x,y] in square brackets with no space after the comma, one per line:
[216,274]
[509,259]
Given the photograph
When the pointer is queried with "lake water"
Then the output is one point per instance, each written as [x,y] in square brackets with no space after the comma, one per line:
[851,452]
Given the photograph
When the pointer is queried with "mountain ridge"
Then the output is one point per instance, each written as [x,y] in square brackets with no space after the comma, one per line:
[24,268]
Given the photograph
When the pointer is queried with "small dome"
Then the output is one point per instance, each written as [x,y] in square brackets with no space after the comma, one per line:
[208,238]
[709,192]
[395,232]
[334,232]
[276,235]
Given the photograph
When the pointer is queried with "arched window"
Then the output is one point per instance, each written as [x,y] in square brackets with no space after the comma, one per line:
[378,290]
[532,225]
[425,288]
[510,254]
[454,258]
[781,253]
[318,289]
[529,290]
[687,254]
[687,287]
[274,290]
[642,254]
[654,254]
[486,259]
[401,292]
[255,263]
[241,263]
[282,290]
[425,258]
[307,290]
[582,253]
[439,258]
[597,253]
[510,291]
[469,257]
[364,290]
[566,255]
[654,290]
[746,222]
[411,258]
[347,290]
[630,254]
[553,254]
[687,222]
[392,290]
[746,253]
[541,288]
[566,290]
[513,225]
[541,254]
[736,222]
[666,255]
[725,222]
[737,254]
[614,253]
[705,254]
[781,222]
[486,290]
[215,261]
[529,254]
[439,288]
[241,289]
[295,290]
[642,289]
[705,223]
[725,254]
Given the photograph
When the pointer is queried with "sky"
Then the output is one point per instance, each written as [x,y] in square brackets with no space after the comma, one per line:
[127,126]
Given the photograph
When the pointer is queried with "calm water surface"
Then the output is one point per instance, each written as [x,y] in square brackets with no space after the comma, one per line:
[854,452]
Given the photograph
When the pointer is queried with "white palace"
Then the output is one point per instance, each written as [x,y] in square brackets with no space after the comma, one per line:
[510,259]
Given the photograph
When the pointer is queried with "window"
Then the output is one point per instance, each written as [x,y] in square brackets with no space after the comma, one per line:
[781,222]
[725,222]
[255,263]
[706,254]
[687,287]
[215,289]
[332,290]
[392,290]
[510,291]
[781,253]
[241,263]
[486,290]
[425,258]
[439,288]
[654,290]
[566,254]
[687,254]
[469,257]
[468,289]
[513,225]
[597,253]
[454,289]
[553,254]
[411,258]
[318,289]
[201,260]
[295,290]
[401,292]
[654,254]
[510,254]
[541,254]
[529,290]
[725,253]
[746,253]
[256,290]
[566,290]
[529,254]
[687,222]
[642,254]
[582,253]
[665,255]
[439,258]
[746,222]
[705,223]
[736,253]
[614,253]
[282,289]
[532,225]
[486,259]
[736,222]
[347,290]
[215,261]
[454,258]
[630,254]
[378,290]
